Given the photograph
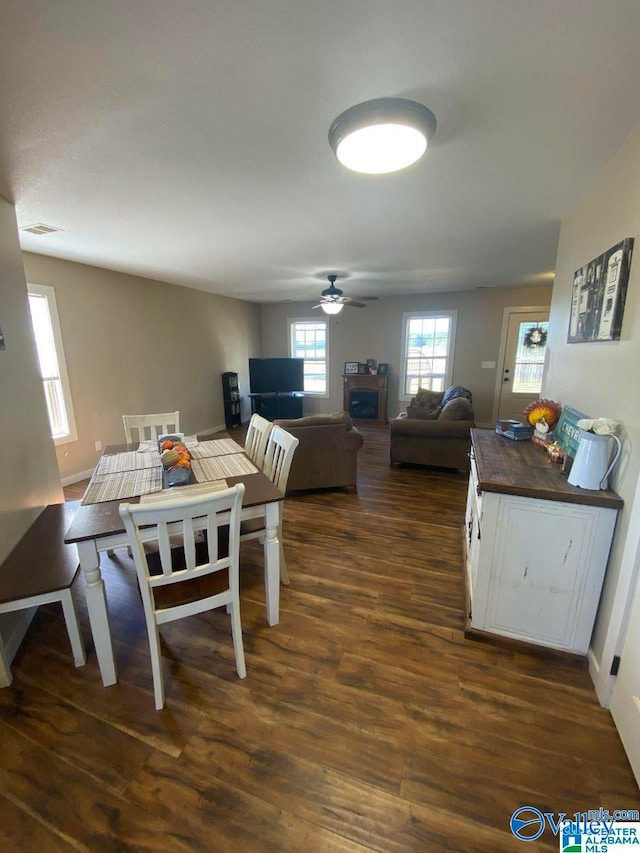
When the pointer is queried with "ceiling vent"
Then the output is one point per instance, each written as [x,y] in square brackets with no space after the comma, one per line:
[40,228]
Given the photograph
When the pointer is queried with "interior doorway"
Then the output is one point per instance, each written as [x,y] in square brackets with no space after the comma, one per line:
[521,364]
[625,699]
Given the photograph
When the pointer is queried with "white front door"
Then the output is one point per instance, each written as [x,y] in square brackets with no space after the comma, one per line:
[625,699]
[523,361]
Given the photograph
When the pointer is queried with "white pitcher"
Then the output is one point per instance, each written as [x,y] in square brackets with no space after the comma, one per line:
[591,468]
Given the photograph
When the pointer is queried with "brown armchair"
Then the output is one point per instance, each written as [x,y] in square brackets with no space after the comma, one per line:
[435,429]
[327,455]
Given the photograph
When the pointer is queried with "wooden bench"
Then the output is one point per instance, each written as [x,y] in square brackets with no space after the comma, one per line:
[39,570]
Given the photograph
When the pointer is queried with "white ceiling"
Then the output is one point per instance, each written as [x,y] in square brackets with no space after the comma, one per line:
[187,141]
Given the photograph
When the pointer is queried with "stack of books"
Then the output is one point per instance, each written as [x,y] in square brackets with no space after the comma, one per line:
[515,430]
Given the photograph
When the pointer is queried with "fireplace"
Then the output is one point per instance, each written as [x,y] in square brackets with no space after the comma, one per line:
[365,397]
[363,404]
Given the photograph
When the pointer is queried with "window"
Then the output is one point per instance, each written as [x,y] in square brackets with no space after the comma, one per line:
[46,329]
[308,340]
[427,351]
[530,352]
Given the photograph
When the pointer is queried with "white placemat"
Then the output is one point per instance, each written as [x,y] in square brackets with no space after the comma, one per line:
[127,484]
[131,460]
[195,490]
[217,447]
[219,467]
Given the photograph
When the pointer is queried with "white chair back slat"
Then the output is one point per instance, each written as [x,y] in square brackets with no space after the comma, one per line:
[150,427]
[279,455]
[255,444]
[189,544]
[164,545]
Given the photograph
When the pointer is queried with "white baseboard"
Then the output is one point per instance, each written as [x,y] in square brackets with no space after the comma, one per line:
[75,478]
[219,428]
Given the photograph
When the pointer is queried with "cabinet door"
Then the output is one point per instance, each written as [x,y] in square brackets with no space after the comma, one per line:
[546,571]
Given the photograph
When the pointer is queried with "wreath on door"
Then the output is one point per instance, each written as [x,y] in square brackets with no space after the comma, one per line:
[535,338]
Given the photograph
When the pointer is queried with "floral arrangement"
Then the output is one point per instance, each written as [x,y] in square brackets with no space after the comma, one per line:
[599,426]
[543,410]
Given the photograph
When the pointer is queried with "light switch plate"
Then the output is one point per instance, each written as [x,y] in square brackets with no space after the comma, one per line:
[488,364]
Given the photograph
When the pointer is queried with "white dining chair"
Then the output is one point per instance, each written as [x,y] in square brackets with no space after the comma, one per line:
[281,446]
[149,427]
[255,444]
[192,579]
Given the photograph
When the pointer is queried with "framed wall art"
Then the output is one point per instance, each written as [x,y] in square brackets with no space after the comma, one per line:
[599,294]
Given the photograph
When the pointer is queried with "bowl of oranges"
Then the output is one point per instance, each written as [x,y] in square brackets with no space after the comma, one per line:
[176,460]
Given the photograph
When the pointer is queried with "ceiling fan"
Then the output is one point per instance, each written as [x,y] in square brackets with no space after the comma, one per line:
[333,300]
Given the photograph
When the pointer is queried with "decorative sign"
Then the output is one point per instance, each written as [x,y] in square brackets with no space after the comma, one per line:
[598,296]
[567,433]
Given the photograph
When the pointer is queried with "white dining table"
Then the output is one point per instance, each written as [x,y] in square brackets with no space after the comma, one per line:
[98,527]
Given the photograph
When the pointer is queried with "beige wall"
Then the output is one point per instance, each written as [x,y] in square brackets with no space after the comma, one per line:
[603,378]
[29,477]
[376,332]
[134,345]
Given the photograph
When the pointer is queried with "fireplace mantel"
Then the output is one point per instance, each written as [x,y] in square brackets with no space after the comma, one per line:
[365,382]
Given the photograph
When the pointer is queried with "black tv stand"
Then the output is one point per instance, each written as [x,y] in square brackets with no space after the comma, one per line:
[278,405]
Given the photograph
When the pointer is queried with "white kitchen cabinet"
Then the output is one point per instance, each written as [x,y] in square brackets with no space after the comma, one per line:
[537,548]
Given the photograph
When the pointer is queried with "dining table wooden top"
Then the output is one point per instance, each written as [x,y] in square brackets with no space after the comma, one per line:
[99,520]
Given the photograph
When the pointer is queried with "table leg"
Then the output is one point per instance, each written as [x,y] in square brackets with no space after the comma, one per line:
[98,610]
[272,563]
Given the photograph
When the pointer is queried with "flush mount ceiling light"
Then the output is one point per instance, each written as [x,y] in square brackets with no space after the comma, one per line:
[383,135]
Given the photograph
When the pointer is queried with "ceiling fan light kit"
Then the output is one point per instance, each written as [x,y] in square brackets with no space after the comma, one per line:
[383,135]
[331,307]
[333,300]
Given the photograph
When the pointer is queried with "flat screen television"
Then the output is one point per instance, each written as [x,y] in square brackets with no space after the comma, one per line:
[276,375]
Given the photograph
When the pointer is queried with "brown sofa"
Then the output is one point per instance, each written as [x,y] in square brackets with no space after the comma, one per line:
[434,430]
[327,454]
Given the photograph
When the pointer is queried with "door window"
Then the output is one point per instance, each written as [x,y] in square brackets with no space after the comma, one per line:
[530,352]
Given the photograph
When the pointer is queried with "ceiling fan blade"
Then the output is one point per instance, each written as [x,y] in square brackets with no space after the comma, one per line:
[352,304]
[317,306]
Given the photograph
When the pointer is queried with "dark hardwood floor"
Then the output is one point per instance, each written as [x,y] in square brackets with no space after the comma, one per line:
[366,721]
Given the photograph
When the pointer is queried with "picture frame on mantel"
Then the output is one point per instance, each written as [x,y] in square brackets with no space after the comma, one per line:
[351,367]
[599,294]
[363,368]
[383,369]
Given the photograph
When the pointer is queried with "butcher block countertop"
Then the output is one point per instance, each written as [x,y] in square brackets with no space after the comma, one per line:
[524,468]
